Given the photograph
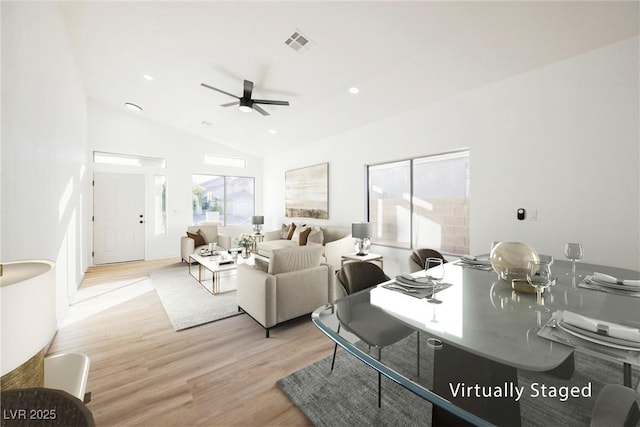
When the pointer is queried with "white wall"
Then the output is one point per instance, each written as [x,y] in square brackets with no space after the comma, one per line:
[44,152]
[562,139]
[123,131]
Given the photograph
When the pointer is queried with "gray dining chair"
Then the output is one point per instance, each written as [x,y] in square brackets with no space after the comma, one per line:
[616,405]
[371,324]
[418,258]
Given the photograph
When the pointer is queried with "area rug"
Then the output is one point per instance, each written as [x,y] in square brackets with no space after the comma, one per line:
[188,303]
[348,394]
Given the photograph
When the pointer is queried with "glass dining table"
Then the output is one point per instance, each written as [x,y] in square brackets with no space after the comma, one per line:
[479,333]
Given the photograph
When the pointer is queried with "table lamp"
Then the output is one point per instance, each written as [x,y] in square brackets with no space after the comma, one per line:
[257,222]
[362,232]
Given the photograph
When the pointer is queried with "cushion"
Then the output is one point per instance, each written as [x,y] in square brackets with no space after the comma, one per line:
[210,233]
[295,258]
[265,248]
[292,229]
[304,235]
[197,238]
[284,232]
[296,234]
[261,265]
[315,236]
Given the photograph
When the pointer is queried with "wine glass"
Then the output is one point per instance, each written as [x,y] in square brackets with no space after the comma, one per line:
[539,276]
[573,251]
[434,269]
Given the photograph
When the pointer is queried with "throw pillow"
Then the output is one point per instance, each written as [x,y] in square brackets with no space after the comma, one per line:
[292,229]
[304,235]
[296,234]
[284,232]
[198,239]
[316,236]
[261,265]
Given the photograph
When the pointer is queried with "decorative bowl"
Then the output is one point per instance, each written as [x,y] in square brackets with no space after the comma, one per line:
[510,260]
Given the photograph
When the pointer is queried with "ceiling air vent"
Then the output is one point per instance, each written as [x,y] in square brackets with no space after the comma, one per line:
[298,42]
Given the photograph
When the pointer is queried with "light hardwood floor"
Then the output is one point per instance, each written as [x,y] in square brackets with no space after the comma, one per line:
[143,373]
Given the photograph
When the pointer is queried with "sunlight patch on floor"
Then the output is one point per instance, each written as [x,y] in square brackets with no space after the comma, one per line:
[94,299]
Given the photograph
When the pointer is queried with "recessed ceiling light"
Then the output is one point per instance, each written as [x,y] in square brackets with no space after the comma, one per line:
[273,131]
[147,77]
[354,90]
[133,107]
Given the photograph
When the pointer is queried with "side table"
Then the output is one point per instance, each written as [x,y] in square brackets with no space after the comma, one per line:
[367,258]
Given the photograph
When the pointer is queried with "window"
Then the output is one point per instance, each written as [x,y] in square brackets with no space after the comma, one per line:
[210,159]
[225,200]
[389,206]
[422,202]
[160,204]
[128,160]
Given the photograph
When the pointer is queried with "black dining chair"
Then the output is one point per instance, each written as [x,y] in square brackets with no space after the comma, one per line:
[371,324]
[418,258]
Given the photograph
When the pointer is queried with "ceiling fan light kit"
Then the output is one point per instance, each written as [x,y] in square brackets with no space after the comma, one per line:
[245,106]
[245,102]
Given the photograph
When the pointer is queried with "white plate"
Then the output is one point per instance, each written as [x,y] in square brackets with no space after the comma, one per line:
[595,340]
[417,285]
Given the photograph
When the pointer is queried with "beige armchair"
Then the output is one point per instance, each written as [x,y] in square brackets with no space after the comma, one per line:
[296,283]
[209,233]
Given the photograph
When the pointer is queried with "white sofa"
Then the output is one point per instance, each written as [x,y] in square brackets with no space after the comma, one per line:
[210,234]
[337,241]
[296,283]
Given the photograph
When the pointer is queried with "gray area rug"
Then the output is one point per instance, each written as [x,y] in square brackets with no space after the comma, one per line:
[188,303]
[348,395]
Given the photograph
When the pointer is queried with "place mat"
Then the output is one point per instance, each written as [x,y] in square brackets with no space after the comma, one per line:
[552,331]
[479,263]
[589,283]
[419,293]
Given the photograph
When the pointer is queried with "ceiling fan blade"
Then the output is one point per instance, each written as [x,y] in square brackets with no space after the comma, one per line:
[259,109]
[219,90]
[248,89]
[230,104]
[269,101]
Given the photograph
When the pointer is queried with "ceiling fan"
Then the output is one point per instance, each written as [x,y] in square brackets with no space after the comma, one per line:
[246,103]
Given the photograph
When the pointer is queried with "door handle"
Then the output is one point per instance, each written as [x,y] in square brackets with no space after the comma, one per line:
[141,222]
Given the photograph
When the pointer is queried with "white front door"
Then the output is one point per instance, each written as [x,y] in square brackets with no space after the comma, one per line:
[118,217]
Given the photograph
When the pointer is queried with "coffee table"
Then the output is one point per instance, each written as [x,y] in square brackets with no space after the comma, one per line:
[215,265]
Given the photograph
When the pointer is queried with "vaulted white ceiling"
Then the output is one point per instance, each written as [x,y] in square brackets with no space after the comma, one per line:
[400,55]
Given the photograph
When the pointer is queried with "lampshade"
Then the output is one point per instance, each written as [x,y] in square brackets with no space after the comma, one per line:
[361,230]
[257,219]
[27,295]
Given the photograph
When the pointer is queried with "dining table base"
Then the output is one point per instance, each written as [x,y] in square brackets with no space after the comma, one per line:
[464,379]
